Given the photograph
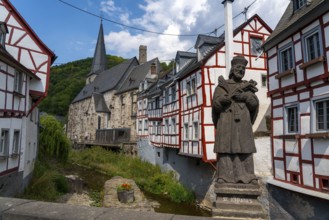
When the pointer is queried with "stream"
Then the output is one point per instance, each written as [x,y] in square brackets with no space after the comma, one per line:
[94,181]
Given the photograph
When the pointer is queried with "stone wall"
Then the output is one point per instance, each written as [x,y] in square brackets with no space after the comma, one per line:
[15,209]
[83,120]
[123,109]
[287,204]
[11,184]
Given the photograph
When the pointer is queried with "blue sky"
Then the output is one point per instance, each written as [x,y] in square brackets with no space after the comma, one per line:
[72,34]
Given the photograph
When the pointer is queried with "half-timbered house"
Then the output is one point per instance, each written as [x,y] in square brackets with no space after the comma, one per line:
[299,91]
[24,79]
[187,137]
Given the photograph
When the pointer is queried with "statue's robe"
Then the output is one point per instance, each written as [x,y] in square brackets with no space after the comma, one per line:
[234,140]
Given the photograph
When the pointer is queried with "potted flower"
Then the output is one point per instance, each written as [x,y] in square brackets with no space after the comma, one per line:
[125,193]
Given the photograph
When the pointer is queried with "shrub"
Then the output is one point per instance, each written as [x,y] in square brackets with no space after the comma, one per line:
[46,184]
[53,142]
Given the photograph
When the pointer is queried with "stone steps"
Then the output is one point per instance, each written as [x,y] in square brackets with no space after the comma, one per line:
[252,205]
[236,214]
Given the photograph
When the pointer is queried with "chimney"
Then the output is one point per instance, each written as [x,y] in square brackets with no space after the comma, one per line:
[142,54]
[228,35]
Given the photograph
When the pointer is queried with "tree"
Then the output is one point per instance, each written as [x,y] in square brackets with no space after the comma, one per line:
[53,142]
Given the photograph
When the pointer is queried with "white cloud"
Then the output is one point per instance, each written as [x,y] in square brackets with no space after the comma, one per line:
[108,7]
[179,17]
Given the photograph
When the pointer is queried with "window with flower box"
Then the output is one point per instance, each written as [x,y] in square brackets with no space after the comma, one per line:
[286,58]
[312,44]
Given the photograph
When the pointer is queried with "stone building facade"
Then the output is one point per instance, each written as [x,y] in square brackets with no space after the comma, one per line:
[105,109]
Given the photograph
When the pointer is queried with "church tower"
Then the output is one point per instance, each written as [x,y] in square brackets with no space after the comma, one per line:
[100,60]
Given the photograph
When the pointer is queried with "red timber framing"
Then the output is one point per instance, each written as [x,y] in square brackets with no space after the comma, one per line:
[170,115]
[26,47]
[300,158]
[24,78]
[208,73]
[142,117]
[194,85]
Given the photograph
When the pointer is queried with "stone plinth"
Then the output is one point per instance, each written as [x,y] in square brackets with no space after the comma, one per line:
[111,200]
[237,201]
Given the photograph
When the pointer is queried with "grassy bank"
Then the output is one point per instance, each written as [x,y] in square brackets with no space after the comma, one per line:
[147,176]
[47,183]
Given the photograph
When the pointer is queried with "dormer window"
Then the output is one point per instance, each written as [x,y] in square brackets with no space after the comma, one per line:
[3,32]
[153,69]
[299,3]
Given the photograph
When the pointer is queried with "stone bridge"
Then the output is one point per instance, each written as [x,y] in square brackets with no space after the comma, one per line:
[19,209]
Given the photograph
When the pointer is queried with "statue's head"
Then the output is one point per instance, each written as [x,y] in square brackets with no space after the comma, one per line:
[238,67]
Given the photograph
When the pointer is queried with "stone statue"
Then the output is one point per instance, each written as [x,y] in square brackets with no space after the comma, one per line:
[234,110]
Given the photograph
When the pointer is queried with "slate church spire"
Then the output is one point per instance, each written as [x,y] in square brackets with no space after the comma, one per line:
[100,60]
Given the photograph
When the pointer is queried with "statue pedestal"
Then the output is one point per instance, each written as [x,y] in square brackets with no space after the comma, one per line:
[237,201]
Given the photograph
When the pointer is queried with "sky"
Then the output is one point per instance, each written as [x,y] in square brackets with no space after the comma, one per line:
[70,27]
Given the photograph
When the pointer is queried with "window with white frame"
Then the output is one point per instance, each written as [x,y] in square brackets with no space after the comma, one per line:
[140,107]
[312,44]
[18,82]
[298,4]
[146,125]
[264,80]
[167,126]
[140,124]
[256,45]
[159,128]
[322,114]
[3,32]
[186,136]
[286,58]
[292,119]
[145,104]
[2,37]
[173,125]
[16,142]
[157,102]
[167,95]
[191,86]
[4,142]
[173,93]
[195,130]
[154,128]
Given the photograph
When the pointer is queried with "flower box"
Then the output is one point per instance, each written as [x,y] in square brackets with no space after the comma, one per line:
[125,193]
[126,196]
